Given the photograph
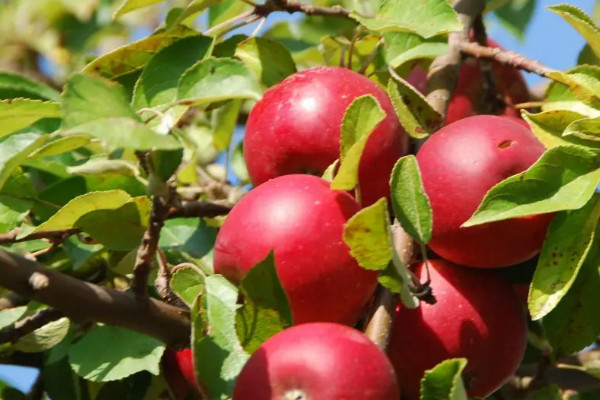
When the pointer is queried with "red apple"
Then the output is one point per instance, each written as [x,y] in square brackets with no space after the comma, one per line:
[295,128]
[459,164]
[318,361]
[467,98]
[302,220]
[178,368]
[476,316]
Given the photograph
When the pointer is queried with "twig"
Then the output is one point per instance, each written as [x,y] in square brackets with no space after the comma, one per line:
[11,237]
[489,102]
[230,22]
[255,33]
[294,6]
[505,57]
[14,332]
[163,282]
[443,72]
[83,301]
[199,209]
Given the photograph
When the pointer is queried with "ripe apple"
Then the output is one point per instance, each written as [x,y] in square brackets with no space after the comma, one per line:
[317,361]
[302,220]
[476,316]
[295,128]
[459,164]
[178,367]
[468,96]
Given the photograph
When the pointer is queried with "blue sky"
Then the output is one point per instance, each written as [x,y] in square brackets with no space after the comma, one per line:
[549,39]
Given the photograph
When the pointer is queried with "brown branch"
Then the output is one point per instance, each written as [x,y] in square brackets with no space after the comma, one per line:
[56,236]
[12,300]
[443,72]
[83,301]
[490,102]
[14,332]
[291,7]
[199,209]
[505,57]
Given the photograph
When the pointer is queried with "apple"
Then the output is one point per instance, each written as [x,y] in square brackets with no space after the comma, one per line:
[459,164]
[468,96]
[477,316]
[317,361]
[302,220]
[295,128]
[178,367]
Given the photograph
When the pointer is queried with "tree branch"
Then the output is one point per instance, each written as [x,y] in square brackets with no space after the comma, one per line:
[505,57]
[14,332]
[82,301]
[199,209]
[11,237]
[291,7]
[443,72]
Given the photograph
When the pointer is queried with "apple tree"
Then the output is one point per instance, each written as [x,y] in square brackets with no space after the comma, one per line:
[403,217]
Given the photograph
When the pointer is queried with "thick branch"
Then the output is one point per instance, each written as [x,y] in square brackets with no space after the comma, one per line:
[443,72]
[24,327]
[82,301]
[505,57]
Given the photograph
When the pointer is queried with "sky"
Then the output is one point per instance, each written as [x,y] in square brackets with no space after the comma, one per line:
[549,39]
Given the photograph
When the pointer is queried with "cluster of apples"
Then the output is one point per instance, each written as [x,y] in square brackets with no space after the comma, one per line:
[294,132]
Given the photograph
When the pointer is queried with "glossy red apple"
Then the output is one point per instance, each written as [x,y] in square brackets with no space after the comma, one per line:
[318,361]
[468,96]
[178,368]
[295,128]
[302,220]
[459,164]
[477,316]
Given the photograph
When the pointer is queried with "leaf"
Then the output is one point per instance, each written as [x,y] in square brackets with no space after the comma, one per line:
[98,166]
[581,22]
[133,57]
[238,163]
[7,392]
[16,199]
[516,15]
[17,114]
[194,8]
[132,5]
[62,145]
[583,84]
[444,381]
[13,86]
[414,112]
[44,337]
[564,178]
[549,126]
[426,18]
[409,201]
[575,322]
[191,236]
[221,345]
[187,283]
[586,128]
[364,51]
[158,82]
[224,122]
[15,149]
[269,60]
[217,79]
[368,236]
[561,97]
[551,392]
[266,310]
[566,246]
[9,316]
[360,120]
[402,47]
[128,353]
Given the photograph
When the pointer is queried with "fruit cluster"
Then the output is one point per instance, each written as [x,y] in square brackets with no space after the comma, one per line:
[294,131]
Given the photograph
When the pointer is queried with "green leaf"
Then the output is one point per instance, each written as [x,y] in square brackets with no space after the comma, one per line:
[585,84]
[217,317]
[194,8]
[582,23]
[360,120]
[98,166]
[132,5]
[402,47]
[15,149]
[189,235]
[549,126]
[551,392]
[134,56]
[45,337]
[224,10]
[13,86]
[217,79]
[444,381]
[129,352]
[564,178]
[62,145]
[414,112]
[266,310]
[238,163]
[268,60]
[426,18]
[364,51]
[224,122]
[561,97]
[17,114]
[566,246]
[7,392]
[586,128]
[16,198]
[9,316]
[409,201]
[575,322]
[516,15]
[368,236]
[187,283]
[158,82]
